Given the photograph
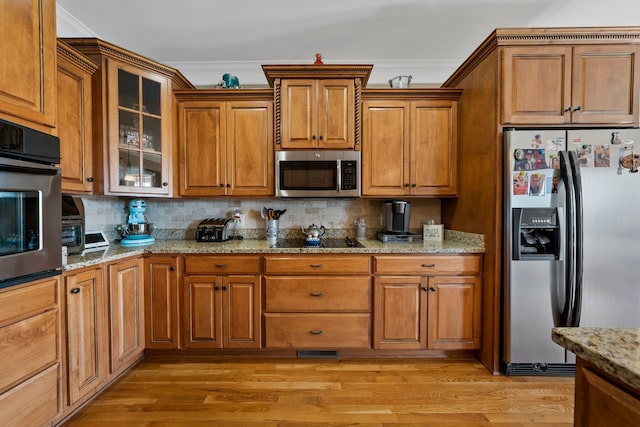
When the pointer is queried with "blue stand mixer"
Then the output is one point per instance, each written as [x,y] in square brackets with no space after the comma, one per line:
[137,231]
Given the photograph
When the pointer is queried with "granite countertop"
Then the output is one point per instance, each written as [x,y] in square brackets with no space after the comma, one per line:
[454,243]
[615,351]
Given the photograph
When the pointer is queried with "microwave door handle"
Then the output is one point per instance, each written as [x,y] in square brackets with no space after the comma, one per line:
[338,176]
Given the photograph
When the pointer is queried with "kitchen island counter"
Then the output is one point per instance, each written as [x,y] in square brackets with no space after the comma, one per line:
[454,243]
[615,351]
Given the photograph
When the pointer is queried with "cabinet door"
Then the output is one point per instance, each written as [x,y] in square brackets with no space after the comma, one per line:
[385,153]
[335,110]
[605,86]
[161,302]
[85,303]
[202,311]
[454,313]
[400,310]
[536,85]
[74,126]
[241,303]
[126,316]
[28,62]
[250,152]
[202,151]
[139,131]
[298,98]
[434,148]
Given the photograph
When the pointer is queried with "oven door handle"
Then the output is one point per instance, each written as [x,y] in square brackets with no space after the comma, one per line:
[32,170]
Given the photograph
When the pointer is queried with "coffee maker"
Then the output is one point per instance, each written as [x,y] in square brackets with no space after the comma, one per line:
[396,215]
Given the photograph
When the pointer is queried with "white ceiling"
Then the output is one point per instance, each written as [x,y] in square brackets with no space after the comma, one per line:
[427,39]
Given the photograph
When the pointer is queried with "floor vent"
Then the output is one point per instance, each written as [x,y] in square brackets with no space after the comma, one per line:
[540,369]
[317,354]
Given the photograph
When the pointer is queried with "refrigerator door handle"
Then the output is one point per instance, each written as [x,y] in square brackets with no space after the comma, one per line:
[578,236]
[566,176]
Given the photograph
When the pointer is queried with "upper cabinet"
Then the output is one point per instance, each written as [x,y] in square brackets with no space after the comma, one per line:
[28,63]
[75,72]
[571,84]
[410,142]
[131,120]
[229,134]
[317,106]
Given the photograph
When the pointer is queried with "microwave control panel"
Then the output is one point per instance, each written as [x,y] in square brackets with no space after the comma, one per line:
[349,175]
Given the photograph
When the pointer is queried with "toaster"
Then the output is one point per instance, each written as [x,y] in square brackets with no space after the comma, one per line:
[214,230]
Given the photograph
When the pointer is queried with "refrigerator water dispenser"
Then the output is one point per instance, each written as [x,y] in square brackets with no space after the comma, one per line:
[536,234]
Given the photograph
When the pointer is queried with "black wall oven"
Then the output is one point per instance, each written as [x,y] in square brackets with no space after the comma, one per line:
[30,205]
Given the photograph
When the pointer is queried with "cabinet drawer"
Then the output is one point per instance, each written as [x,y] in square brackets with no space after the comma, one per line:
[28,346]
[20,302]
[312,331]
[428,265]
[32,403]
[317,293]
[317,264]
[221,264]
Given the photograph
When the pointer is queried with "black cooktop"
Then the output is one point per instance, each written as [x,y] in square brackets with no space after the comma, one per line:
[324,243]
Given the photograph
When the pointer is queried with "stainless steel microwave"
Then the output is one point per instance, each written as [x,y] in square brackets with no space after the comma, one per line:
[318,173]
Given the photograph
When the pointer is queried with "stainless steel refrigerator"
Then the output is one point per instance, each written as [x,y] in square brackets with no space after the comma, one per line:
[571,240]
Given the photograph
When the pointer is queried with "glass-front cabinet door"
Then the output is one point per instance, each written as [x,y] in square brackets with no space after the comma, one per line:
[139,132]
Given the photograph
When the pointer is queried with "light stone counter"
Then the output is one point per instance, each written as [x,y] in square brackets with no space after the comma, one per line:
[615,351]
[454,243]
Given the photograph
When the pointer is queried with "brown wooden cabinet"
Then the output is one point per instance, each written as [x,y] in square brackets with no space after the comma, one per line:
[317,302]
[86,357]
[317,106]
[427,302]
[409,146]
[75,119]
[222,302]
[161,302]
[588,84]
[229,135]
[28,63]
[132,120]
[30,350]
[318,113]
[126,313]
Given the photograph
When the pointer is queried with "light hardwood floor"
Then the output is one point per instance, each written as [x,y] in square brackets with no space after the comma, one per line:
[306,392]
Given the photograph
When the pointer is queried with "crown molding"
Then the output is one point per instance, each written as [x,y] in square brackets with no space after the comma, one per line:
[69,26]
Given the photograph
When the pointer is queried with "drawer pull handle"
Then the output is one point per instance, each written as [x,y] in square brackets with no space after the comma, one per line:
[75,290]
[312,332]
[428,265]
[317,294]
[221,265]
[316,265]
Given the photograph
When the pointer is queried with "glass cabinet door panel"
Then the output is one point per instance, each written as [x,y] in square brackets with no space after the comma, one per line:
[151,133]
[151,169]
[151,97]
[129,129]
[129,167]
[128,90]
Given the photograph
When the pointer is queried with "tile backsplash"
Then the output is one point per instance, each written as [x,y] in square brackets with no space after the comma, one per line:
[178,218]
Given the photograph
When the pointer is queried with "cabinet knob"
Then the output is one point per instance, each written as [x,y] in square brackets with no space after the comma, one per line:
[75,290]
[165,184]
[314,332]
[414,185]
[172,268]
[216,288]
[425,289]
[224,288]
[432,289]
[90,179]
[317,294]
[313,137]
[221,185]
[321,137]
[406,184]
[228,185]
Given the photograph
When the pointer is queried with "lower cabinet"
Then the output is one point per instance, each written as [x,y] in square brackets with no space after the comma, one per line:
[427,302]
[221,298]
[161,302]
[317,302]
[126,313]
[86,359]
[30,351]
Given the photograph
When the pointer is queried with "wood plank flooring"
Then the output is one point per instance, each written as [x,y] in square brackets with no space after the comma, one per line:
[314,393]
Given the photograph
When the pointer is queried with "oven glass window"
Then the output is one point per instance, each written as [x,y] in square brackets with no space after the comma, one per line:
[19,221]
[314,175]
